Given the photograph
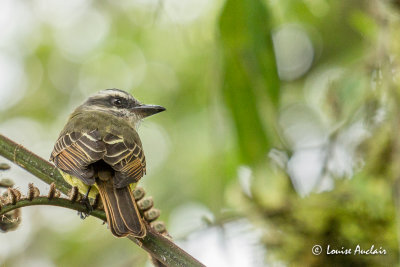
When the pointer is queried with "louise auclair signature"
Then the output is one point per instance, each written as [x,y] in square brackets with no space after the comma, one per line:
[357,250]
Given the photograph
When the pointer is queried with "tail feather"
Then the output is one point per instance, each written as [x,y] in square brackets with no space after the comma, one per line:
[121,210]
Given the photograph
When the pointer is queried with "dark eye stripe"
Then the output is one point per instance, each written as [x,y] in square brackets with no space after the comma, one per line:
[109,101]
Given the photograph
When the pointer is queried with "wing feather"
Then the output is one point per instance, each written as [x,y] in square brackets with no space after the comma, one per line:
[127,159]
[74,152]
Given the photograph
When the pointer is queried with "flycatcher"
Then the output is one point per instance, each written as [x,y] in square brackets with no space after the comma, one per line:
[99,148]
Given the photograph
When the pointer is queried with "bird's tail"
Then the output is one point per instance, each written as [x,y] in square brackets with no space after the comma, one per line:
[121,210]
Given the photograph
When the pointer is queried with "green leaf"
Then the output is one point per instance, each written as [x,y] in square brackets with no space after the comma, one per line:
[250,79]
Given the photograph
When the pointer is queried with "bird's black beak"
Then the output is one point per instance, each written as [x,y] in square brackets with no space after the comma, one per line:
[147,110]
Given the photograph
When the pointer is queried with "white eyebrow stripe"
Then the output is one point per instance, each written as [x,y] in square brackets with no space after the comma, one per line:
[115,93]
[120,94]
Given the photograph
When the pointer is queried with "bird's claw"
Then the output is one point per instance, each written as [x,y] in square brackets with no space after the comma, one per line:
[85,201]
[84,214]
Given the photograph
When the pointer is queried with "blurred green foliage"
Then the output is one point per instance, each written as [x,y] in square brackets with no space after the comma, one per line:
[304,95]
[250,78]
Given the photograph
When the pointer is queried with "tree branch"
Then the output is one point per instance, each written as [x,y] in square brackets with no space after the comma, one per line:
[158,246]
[59,202]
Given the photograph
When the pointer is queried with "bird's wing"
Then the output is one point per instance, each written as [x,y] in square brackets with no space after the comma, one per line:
[126,158]
[75,151]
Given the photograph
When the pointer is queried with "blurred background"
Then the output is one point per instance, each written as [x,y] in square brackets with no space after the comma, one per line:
[281,130]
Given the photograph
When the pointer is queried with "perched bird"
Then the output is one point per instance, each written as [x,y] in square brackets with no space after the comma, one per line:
[99,151]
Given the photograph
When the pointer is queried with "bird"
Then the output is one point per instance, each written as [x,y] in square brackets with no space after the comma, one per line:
[100,152]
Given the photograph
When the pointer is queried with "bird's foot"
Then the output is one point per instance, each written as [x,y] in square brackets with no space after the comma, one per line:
[85,201]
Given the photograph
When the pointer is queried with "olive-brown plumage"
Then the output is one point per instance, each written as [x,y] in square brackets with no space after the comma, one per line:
[99,145]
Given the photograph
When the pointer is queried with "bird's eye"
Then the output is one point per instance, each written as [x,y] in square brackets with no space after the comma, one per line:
[116,102]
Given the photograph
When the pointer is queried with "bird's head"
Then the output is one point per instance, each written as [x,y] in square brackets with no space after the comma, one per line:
[121,104]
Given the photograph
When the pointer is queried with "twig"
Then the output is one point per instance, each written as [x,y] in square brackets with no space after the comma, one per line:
[158,246]
[44,200]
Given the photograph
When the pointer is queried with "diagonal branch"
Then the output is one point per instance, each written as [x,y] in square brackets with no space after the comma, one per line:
[158,246]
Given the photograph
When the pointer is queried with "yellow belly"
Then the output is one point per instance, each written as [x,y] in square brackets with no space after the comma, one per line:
[82,187]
